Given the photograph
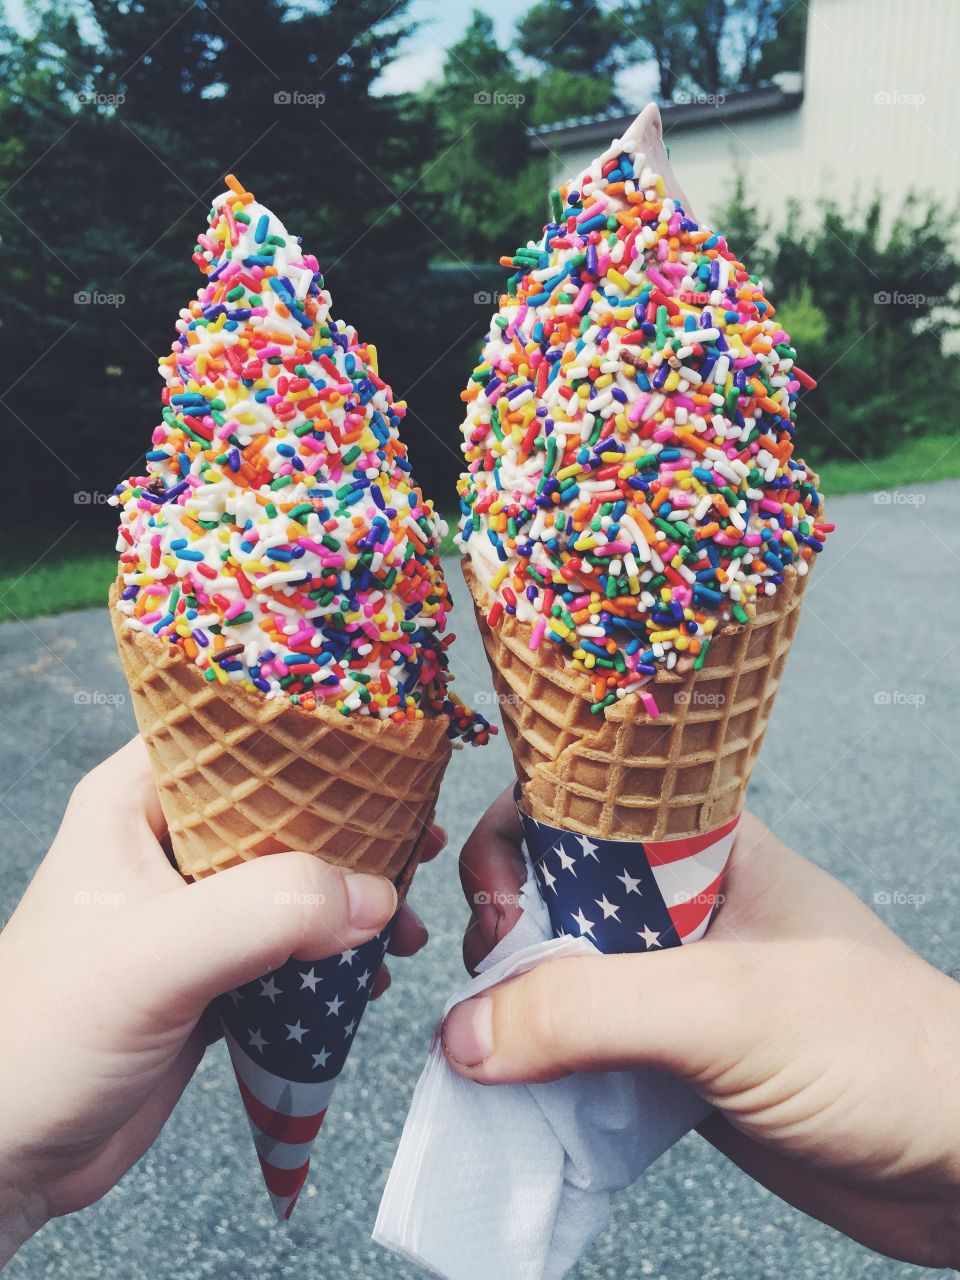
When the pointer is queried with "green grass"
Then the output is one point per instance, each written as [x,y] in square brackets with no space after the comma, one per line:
[919,461]
[75,579]
[77,573]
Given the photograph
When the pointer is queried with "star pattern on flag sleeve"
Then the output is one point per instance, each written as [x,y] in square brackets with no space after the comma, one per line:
[298,1022]
[650,895]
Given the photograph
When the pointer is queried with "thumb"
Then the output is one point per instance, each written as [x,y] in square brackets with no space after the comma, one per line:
[198,940]
[599,1013]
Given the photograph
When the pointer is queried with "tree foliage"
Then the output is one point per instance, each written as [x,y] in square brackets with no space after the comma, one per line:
[870,299]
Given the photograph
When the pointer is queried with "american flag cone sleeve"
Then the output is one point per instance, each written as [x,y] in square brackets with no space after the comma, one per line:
[289,1034]
[628,895]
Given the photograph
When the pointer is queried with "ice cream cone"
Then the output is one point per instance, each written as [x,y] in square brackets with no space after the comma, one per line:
[241,777]
[637,533]
[280,611]
[623,775]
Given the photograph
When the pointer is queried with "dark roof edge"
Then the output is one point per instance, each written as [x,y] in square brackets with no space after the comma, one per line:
[677,116]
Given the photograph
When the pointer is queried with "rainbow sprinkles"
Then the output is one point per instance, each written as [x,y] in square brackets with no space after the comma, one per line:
[278,538]
[630,481]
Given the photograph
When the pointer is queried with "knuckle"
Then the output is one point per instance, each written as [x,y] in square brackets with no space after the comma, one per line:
[84,792]
[537,1013]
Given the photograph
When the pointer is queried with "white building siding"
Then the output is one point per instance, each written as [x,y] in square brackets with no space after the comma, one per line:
[880,112]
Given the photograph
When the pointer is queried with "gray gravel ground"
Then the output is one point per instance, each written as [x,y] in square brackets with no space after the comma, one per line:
[859,771]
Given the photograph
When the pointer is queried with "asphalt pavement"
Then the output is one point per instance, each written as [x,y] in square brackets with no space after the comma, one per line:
[859,771]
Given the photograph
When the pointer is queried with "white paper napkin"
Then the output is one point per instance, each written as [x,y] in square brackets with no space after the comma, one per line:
[515,1180]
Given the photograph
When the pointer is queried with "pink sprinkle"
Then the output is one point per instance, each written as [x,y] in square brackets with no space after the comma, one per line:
[596,206]
[744,362]
[266,352]
[583,297]
[662,433]
[310,545]
[768,504]
[238,606]
[536,638]
[650,702]
[662,250]
[662,283]
[148,619]
[683,401]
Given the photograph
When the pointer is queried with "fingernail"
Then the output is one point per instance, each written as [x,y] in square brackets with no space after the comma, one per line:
[468,1032]
[372,900]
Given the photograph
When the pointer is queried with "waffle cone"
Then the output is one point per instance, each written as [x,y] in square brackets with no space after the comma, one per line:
[621,774]
[240,775]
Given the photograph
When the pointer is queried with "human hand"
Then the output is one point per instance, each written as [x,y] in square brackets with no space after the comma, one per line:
[108,965]
[828,1047]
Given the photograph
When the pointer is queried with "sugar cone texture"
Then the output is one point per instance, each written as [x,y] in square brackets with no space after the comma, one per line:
[240,776]
[621,774]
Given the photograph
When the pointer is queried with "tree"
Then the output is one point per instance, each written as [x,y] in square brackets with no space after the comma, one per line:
[114,144]
[571,35]
[578,49]
[490,189]
[707,46]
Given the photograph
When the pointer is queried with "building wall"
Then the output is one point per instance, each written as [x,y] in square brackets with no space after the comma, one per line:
[880,109]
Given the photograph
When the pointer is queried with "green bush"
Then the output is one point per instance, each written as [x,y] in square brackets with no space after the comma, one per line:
[870,301]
